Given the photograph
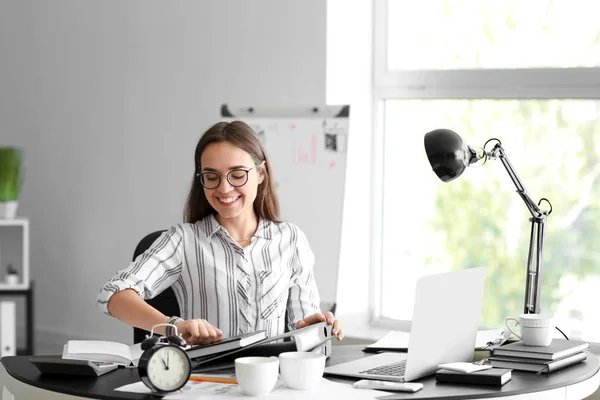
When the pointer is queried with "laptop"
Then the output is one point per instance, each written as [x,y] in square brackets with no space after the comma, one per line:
[444,329]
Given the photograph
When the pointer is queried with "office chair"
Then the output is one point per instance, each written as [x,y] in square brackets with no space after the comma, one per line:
[166,302]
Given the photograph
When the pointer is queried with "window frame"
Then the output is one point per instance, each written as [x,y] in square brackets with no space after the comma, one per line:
[492,84]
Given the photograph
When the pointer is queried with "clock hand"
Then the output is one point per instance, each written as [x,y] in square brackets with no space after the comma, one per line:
[164,363]
[168,352]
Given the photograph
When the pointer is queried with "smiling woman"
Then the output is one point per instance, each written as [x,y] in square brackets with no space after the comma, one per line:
[234,266]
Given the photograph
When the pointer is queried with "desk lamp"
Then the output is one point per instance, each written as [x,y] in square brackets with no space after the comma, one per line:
[449,157]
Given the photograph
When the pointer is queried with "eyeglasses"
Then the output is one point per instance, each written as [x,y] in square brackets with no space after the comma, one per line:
[235,177]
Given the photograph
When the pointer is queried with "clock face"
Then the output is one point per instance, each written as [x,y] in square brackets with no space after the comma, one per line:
[168,368]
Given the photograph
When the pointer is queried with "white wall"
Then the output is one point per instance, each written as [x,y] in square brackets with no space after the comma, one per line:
[108,99]
[350,80]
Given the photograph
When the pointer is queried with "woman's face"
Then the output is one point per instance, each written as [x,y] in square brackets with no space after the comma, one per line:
[230,201]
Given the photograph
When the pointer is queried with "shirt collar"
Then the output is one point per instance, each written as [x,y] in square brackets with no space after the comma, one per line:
[264,229]
[212,226]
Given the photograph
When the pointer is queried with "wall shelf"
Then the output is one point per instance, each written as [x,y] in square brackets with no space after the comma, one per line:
[14,249]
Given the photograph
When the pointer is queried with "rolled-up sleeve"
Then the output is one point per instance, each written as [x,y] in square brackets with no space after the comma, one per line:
[152,271]
[303,297]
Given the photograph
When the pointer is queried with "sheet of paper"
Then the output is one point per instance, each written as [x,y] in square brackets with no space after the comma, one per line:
[393,340]
[216,391]
[399,340]
[483,337]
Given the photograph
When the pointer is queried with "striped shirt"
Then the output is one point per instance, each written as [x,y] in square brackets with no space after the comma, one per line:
[236,289]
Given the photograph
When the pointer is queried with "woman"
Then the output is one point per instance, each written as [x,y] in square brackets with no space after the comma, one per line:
[233,265]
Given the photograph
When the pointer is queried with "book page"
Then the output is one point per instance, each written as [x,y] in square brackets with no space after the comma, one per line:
[135,351]
[97,350]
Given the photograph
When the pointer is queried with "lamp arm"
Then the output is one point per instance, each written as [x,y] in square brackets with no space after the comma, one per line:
[533,278]
[499,152]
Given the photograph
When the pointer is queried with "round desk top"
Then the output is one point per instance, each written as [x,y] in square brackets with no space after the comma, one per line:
[103,387]
[522,382]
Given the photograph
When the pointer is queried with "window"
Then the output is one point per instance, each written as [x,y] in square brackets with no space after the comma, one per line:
[436,34]
[525,73]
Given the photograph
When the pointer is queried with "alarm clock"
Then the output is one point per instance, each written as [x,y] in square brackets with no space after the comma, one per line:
[164,365]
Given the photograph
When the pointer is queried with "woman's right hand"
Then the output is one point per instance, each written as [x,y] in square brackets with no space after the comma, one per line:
[199,331]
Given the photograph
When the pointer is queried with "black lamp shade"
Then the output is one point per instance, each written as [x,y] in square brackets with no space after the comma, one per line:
[447,153]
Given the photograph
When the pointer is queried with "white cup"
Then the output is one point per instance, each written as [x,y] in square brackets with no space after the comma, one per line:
[301,370]
[257,376]
[536,329]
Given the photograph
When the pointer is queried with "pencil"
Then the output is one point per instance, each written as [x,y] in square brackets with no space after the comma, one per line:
[211,379]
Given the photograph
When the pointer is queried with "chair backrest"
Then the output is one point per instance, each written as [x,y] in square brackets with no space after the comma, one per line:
[166,302]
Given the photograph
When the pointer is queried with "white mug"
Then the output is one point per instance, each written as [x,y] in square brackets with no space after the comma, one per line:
[536,329]
[302,370]
[257,376]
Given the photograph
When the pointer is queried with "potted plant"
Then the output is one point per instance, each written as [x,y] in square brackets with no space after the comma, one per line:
[10,181]
[12,275]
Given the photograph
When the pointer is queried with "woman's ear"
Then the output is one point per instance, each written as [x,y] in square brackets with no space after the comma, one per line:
[261,174]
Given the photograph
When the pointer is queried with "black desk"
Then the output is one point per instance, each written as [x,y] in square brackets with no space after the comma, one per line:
[583,377]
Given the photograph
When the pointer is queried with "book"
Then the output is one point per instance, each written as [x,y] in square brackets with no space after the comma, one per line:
[493,376]
[536,365]
[100,350]
[559,348]
[52,365]
[226,345]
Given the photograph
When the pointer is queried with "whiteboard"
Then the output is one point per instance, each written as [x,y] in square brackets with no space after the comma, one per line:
[307,149]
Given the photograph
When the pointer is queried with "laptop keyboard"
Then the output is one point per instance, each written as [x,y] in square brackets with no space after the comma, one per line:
[394,369]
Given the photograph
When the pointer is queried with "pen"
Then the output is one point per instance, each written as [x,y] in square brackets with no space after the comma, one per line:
[211,379]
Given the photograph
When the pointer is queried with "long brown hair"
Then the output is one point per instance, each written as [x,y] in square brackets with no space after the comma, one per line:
[240,134]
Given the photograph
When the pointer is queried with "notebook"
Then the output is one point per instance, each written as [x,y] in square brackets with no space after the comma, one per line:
[315,338]
[492,376]
[443,330]
[559,348]
[227,344]
[535,364]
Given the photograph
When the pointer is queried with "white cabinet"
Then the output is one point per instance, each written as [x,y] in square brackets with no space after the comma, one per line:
[14,250]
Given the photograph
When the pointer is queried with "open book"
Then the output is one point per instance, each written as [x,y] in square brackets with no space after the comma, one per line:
[100,350]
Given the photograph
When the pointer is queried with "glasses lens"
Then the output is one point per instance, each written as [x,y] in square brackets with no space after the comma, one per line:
[237,177]
[210,180]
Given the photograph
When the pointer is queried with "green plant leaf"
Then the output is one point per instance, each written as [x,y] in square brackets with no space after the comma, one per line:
[10,173]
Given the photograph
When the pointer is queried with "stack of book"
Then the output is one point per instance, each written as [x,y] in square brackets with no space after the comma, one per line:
[560,354]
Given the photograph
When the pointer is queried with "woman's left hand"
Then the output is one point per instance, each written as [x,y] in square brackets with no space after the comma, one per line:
[318,317]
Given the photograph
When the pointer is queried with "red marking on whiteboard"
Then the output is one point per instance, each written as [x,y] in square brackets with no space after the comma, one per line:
[293,126]
[303,156]
[313,146]
[332,164]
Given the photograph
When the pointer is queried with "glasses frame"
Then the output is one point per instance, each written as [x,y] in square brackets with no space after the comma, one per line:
[200,175]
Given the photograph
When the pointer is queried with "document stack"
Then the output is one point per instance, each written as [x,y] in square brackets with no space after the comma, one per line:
[560,354]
